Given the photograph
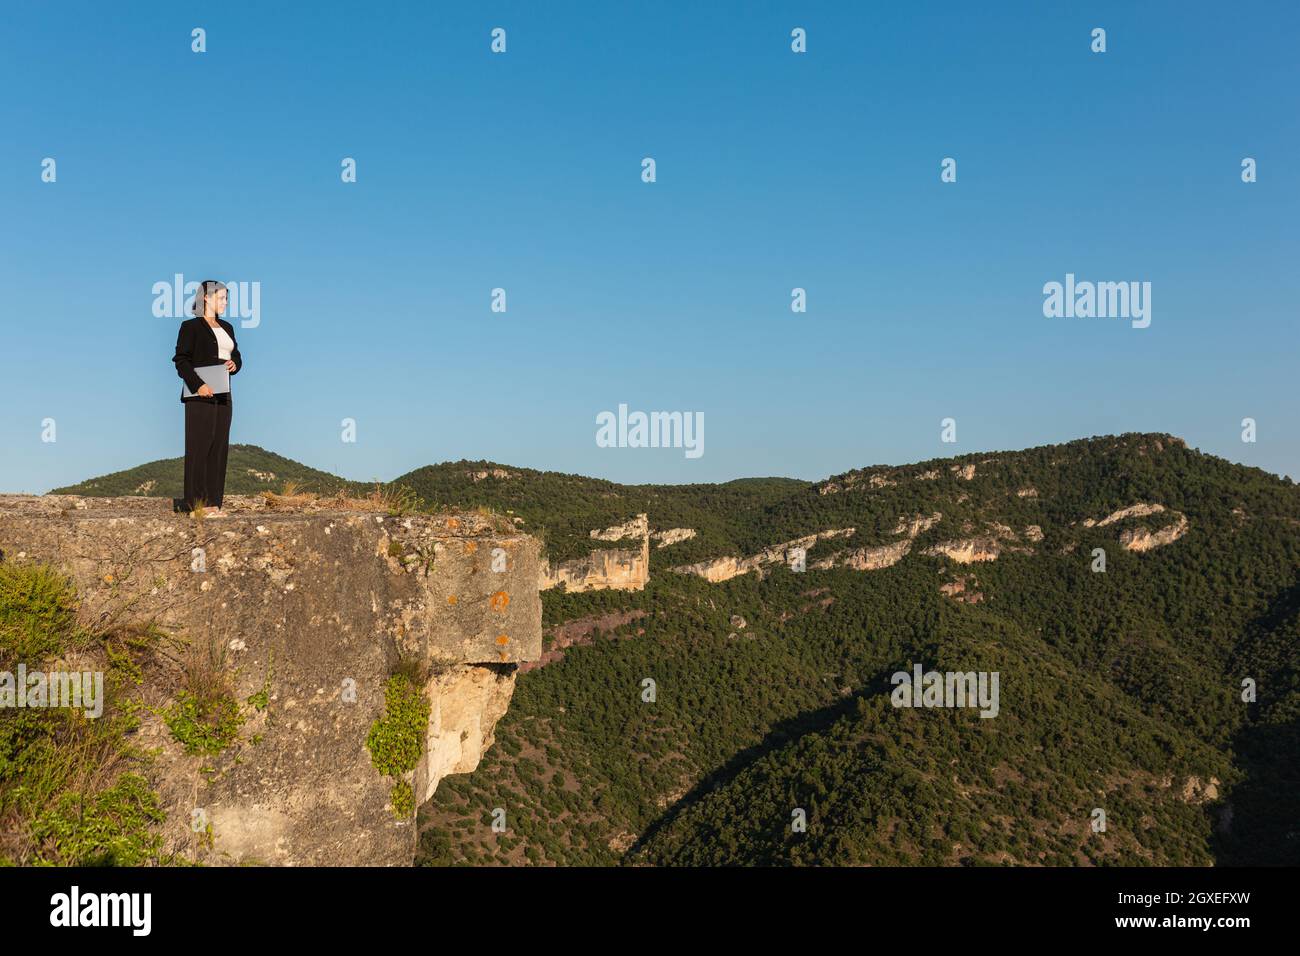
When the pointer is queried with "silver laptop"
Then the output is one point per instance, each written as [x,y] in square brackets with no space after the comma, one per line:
[215,376]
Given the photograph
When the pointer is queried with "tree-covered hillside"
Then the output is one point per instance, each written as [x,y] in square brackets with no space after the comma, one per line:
[566,508]
[249,470]
[695,723]
[1121,690]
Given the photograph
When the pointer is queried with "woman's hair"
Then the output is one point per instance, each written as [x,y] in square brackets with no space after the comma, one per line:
[206,288]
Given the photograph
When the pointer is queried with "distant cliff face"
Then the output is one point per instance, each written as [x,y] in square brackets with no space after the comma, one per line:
[307,613]
[994,540]
[726,568]
[624,569]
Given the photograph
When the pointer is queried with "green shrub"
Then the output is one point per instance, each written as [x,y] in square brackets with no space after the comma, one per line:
[37,612]
[403,798]
[111,828]
[396,740]
[204,726]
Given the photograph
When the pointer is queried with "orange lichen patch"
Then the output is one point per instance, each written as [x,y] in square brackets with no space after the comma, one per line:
[500,600]
[502,639]
[471,547]
[451,599]
[108,579]
[453,522]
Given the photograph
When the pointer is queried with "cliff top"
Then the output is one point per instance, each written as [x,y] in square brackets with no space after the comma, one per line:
[265,508]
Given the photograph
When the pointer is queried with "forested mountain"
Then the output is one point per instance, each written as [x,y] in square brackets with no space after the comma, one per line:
[249,470]
[1128,591]
[1120,690]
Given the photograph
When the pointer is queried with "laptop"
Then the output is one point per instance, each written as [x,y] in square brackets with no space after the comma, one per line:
[215,376]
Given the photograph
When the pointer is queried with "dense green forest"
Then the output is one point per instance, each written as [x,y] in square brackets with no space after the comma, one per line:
[1121,692]
[249,470]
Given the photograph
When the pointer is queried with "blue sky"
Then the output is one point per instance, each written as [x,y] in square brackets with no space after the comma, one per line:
[775,171]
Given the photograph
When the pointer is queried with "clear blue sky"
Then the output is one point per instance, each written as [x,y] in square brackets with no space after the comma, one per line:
[775,170]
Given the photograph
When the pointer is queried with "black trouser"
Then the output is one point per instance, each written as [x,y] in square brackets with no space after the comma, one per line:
[207,442]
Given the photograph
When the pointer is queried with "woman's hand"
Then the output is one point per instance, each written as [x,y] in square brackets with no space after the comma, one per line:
[205,391]
[230,365]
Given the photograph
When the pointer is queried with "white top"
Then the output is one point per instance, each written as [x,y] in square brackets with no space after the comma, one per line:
[225,344]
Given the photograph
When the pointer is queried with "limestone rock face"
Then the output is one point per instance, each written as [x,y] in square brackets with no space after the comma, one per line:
[1197,791]
[917,524]
[719,569]
[465,705]
[723,569]
[1139,510]
[316,606]
[1142,539]
[874,559]
[638,527]
[997,539]
[607,568]
[968,550]
[672,536]
[621,569]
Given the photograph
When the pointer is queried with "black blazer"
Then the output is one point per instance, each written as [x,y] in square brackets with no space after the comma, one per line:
[196,344]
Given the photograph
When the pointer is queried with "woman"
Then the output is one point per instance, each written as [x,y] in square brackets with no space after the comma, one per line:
[206,340]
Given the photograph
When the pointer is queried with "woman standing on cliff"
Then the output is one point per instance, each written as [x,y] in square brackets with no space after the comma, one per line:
[206,340]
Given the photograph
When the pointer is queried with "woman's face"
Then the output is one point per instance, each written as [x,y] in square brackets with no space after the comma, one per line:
[215,301]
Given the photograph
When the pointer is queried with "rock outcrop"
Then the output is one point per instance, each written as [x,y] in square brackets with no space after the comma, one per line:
[869,559]
[671,536]
[917,524]
[311,609]
[962,590]
[465,705]
[1139,510]
[1142,538]
[638,528]
[968,550]
[623,569]
[872,558]
[726,568]
[997,539]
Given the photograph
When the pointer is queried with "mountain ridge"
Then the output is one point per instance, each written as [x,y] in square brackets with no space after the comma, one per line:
[1125,587]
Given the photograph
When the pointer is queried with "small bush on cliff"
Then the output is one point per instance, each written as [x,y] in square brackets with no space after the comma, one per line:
[403,798]
[396,740]
[205,717]
[61,787]
[37,612]
[67,793]
[204,726]
[262,698]
[110,828]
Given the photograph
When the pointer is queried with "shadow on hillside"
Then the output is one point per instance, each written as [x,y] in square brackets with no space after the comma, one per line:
[1265,807]
[1258,822]
[785,732]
